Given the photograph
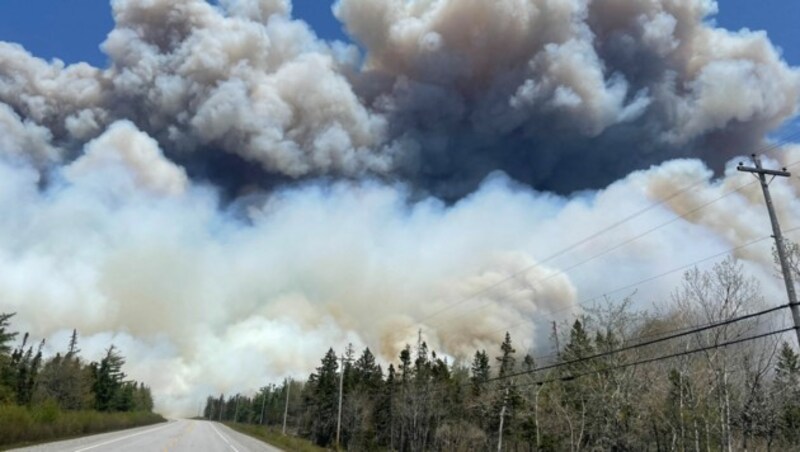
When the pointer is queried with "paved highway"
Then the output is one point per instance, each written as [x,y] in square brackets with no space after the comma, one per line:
[174,436]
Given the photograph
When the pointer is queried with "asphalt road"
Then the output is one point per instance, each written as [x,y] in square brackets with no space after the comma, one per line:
[174,436]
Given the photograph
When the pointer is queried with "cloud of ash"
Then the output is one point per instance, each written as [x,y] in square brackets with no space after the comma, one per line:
[563,95]
[232,195]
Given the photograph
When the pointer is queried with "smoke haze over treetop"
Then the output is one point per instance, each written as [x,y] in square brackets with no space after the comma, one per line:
[231,188]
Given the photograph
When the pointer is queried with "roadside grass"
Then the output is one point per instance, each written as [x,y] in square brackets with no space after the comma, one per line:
[274,437]
[24,426]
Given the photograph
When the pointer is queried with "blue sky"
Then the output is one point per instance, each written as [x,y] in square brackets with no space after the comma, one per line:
[72,30]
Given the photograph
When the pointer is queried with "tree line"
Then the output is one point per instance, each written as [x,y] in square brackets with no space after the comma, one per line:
[729,393]
[65,380]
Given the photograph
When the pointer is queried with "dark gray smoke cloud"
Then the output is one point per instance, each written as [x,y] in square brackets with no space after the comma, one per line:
[565,94]
[562,95]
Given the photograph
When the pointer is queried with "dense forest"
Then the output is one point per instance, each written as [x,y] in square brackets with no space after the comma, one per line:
[64,395]
[711,370]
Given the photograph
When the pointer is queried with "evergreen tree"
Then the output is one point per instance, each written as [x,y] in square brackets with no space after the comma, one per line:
[529,424]
[208,409]
[480,371]
[108,378]
[63,380]
[27,379]
[405,365]
[506,358]
[507,399]
[528,363]
[480,409]
[6,336]
[786,392]
[359,410]
[324,400]
[26,366]
[579,346]
[73,349]
[385,411]
[367,373]
[6,372]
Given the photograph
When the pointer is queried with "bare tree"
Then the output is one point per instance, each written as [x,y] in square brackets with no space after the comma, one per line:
[714,296]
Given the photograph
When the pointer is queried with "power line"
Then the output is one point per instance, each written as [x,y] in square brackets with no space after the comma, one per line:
[773,146]
[583,302]
[638,345]
[565,250]
[661,358]
[631,285]
[613,226]
[762,173]
[690,332]
[643,344]
[616,224]
[648,360]
[639,338]
[598,255]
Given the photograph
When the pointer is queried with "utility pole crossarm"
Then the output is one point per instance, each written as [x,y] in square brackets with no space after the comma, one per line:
[761,173]
[750,169]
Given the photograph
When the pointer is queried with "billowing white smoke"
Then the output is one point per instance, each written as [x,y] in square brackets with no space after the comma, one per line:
[271,93]
[202,302]
[449,91]
[108,229]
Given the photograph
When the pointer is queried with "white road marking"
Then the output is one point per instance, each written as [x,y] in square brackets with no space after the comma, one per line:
[223,438]
[124,437]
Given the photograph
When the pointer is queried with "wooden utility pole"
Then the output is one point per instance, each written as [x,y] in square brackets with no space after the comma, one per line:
[502,420]
[263,405]
[286,407]
[555,338]
[339,418]
[761,174]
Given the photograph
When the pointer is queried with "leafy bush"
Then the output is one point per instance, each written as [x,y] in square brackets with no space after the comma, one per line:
[47,423]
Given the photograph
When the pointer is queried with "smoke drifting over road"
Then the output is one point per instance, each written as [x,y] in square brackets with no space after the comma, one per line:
[232,189]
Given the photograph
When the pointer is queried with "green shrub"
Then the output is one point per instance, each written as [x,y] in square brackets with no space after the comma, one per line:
[43,423]
[47,413]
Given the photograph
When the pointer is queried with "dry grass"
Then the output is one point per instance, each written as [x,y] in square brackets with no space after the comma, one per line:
[276,438]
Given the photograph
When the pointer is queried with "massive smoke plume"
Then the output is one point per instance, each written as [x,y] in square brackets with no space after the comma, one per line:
[232,189]
[564,94]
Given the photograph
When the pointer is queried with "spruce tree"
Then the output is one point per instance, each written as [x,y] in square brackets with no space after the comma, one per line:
[385,411]
[324,402]
[367,373]
[6,373]
[6,336]
[506,358]
[73,349]
[579,346]
[108,378]
[480,370]
[507,399]
[786,392]
[62,380]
